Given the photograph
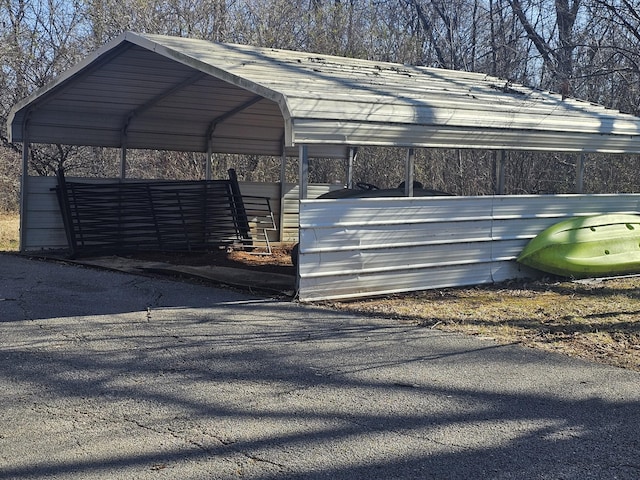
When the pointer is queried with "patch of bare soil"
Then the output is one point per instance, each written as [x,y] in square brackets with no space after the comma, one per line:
[598,320]
[279,261]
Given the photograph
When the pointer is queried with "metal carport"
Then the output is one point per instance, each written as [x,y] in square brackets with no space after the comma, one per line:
[158,92]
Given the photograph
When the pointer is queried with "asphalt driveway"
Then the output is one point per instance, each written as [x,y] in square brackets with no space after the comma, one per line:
[105,375]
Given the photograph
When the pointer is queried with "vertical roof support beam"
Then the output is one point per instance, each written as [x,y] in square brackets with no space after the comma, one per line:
[303,160]
[303,183]
[580,173]
[24,186]
[24,182]
[353,155]
[499,174]
[409,169]
[208,166]
[283,189]
[123,159]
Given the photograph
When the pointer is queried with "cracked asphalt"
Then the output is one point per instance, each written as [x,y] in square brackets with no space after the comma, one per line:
[105,375]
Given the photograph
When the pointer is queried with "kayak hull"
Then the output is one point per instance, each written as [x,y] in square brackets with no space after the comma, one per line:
[600,245]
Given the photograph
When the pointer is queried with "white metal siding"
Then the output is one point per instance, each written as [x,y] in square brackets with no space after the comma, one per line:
[373,246]
[44,227]
[291,203]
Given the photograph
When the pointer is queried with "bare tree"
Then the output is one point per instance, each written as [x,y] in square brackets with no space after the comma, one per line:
[39,40]
[105,19]
[551,30]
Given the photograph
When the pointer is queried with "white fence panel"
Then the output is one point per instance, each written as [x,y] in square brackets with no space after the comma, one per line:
[373,246]
[44,227]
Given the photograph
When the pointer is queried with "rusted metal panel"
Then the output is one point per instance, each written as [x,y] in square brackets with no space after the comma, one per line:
[374,246]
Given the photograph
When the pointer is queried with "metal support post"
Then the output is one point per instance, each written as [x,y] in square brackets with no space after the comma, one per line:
[409,169]
[500,160]
[580,173]
[283,190]
[303,159]
[353,155]
[123,161]
[207,167]
[24,191]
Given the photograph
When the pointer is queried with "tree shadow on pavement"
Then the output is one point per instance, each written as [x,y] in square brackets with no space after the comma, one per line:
[267,390]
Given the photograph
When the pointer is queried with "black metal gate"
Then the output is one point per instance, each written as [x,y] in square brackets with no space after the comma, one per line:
[125,217]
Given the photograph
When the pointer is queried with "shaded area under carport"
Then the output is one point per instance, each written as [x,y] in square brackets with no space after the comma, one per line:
[245,278]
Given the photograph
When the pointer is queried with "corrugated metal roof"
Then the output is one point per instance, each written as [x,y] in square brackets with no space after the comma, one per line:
[173,93]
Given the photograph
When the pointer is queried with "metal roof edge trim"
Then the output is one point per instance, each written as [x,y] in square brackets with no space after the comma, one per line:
[301,128]
[494,138]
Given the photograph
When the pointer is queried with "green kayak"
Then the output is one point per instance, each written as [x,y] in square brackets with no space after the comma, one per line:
[601,245]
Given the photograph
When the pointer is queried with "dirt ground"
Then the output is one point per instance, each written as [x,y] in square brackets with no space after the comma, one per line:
[279,261]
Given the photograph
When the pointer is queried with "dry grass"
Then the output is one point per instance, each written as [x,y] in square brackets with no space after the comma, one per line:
[596,320]
[9,232]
